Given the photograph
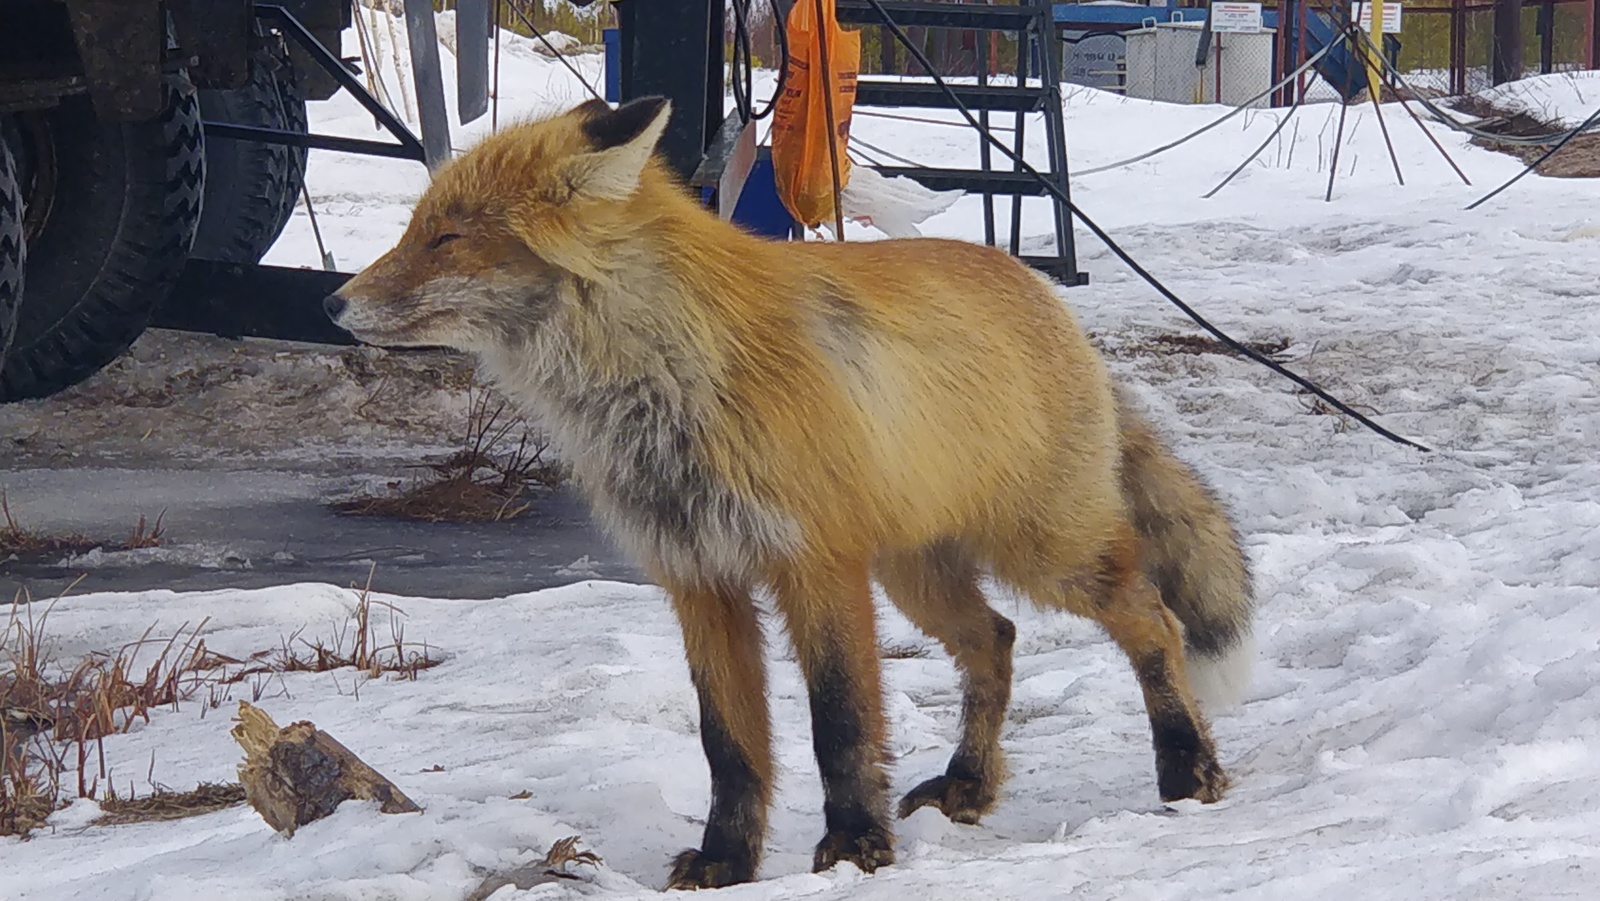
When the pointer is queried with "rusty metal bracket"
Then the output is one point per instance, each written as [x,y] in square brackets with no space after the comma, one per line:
[121,45]
[218,35]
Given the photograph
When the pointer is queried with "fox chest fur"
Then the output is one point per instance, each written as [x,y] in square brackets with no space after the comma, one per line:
[637,438]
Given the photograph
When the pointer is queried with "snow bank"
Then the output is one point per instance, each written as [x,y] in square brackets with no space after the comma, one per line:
[1424,718]
[1565,97]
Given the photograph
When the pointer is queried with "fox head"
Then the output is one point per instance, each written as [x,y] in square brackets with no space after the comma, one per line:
[508,232]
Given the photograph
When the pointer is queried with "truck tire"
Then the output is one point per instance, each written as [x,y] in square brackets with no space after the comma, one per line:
[111,210]
[13,249]
[251,186]
[292,98]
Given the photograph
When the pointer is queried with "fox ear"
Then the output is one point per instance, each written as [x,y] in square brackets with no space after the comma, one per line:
[623,140]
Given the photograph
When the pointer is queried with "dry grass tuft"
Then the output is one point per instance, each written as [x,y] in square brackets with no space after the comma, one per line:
[57,719]
[1205,344]
[163,805]
[1316,406]
[146,536]
[1163,344]
[30,546]
[367,653]
[53,721]
[902,651]
[27,544]
[488,480]
[541,872]
[564,852]
[1580,158]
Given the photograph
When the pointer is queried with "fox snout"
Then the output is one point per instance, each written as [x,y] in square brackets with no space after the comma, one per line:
[506,235]
[375,316]
[334,306]
[362,320]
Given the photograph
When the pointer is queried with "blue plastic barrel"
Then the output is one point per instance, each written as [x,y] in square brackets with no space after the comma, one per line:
[613,42]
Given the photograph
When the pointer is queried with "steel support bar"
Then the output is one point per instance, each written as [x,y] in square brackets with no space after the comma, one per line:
[428,77]
[472,59]
[235,132]
[234,300]
[675,50]
[334,66]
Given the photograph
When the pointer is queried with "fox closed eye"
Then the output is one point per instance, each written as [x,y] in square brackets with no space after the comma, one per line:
[443,239]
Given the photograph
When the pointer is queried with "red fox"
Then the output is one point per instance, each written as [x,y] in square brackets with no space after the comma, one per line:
[806,418]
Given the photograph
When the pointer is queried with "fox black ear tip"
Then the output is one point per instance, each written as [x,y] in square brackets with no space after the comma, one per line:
[648,107]
[626,122]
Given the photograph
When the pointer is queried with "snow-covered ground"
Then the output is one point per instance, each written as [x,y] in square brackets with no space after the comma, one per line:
[1424,723]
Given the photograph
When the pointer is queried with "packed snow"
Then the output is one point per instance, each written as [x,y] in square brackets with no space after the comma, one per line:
[1568,98]
[1424,719]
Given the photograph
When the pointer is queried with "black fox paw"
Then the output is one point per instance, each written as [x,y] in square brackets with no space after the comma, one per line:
[962,800]
[868,850]
[1200,777]
[693,870]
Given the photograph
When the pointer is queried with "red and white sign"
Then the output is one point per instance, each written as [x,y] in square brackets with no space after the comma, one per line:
[1391,16]
[1235,17]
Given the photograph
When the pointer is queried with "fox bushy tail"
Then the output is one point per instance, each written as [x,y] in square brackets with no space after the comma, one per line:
[1192,554]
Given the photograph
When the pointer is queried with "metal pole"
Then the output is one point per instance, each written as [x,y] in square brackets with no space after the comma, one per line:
[1507,58]
[429,77]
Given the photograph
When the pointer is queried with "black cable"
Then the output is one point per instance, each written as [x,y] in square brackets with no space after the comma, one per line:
[553,52]
[1560,142]
[1294,108]
[1448,121]
[1116,249]
[741,73]
[779,27]
[1593,118]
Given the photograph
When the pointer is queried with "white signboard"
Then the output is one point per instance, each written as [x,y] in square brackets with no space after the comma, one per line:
[1236,17]
[1391,16]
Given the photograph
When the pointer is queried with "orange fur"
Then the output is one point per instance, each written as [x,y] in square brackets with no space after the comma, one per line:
[744,414]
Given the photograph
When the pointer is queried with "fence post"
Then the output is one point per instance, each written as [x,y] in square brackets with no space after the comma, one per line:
[1591,34]
[1506,60]
[1280,53]
[1547,37]
[1458,48]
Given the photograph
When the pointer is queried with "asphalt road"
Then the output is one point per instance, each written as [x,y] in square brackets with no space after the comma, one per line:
[247,529]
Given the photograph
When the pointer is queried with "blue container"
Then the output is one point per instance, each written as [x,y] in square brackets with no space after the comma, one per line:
[613,42]
[758,210]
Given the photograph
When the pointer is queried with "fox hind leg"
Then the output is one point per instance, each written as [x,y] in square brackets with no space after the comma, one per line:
[722,638]
[937,589]
[1129,608]
[829,611]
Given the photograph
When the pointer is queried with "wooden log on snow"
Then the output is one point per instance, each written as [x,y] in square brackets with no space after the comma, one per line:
[299,773]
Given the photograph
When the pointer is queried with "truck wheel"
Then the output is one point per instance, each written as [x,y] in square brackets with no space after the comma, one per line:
[292,100]
[251,186]
[110,214]
[12,247]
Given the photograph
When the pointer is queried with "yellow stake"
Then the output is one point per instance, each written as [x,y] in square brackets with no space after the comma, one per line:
[1374,73]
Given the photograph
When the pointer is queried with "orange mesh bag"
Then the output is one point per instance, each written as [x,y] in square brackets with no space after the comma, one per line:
[801,161]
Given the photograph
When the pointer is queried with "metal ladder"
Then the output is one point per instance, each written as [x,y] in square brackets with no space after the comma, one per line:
[1037,49]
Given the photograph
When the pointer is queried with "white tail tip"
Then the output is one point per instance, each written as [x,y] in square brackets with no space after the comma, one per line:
[1220,683]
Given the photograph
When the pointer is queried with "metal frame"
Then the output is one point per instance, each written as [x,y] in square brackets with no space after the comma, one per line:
[409,147]
[674,49]
[234,300]
[284,303]
[1038,56]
